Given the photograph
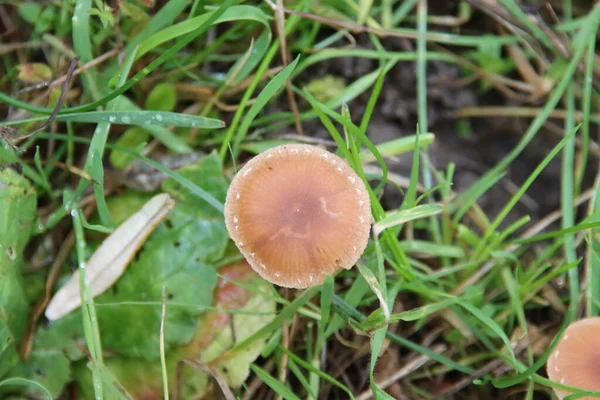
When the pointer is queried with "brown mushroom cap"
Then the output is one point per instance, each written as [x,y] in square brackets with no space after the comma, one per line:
[575,361]
[298,213]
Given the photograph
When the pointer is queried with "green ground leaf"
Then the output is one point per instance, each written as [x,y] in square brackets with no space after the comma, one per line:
[208,175]
[163,97]
[244,307]
[121,207]
[63,336]
[17,218]
[177,257]
[17,213]
[180,254]
[141,378]
[26,383]
[49,369]
[8,352]
[49,364]
[13,315]
[131,139]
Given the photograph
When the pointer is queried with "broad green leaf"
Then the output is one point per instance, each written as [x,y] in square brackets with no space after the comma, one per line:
[49,369]
[17,213]
[142,378]
[208,175]
[30,12]
[163,97]
[26,383]
[180,254]
[178,257]
[131,139]
[54,348]
[8,352]
[326,88]
[63,336]
[247,310]
[41,17]
[13,314]
[121,207]
[218,331]
[17,219]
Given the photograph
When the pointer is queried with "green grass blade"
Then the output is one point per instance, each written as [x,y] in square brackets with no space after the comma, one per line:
[273,383]
[284,315]
[511,203]
[587,34]
[97,171]
[517,306]
[141,118]
[474,193]
[270,90]
[164,17]
[82,43]
[301,378]
[347,311]
[403,216]
[315,371]
[398,146]
[435,249]
[423,311]
[168,54]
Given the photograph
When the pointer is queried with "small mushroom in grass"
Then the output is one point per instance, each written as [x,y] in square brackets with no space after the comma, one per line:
[298,213]
[575,361]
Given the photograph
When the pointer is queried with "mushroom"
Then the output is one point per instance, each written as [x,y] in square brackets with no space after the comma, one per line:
[298,213]
[575,361]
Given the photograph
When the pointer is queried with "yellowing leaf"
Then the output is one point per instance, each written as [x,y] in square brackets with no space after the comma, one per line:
[219,331]
[34,72]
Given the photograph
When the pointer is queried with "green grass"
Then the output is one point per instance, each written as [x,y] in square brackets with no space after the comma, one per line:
[441,271]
